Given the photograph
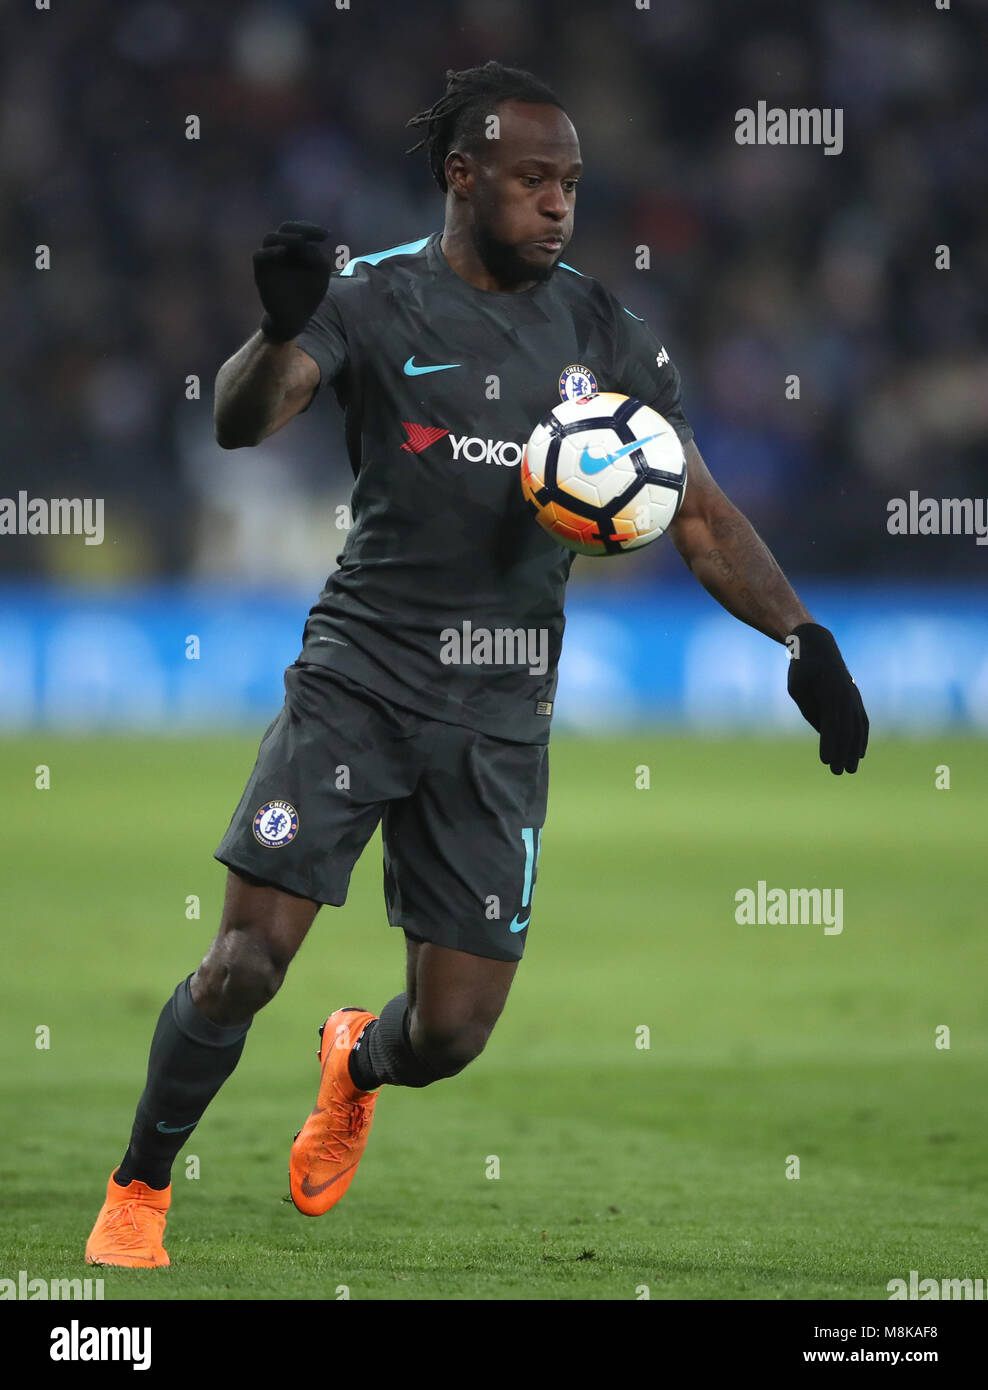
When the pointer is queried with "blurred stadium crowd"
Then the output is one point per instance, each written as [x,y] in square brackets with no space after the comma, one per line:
[765,261]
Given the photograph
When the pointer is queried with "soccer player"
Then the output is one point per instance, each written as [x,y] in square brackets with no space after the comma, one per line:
[443,353]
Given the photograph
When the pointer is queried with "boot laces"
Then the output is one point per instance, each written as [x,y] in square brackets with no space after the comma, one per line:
[349,1122]
[122,1222]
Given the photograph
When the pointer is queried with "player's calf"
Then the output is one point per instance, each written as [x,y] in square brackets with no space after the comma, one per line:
[446,1050]
[417,1045]
[453,1000]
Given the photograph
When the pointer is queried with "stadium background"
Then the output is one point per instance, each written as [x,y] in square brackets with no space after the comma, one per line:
[764,262]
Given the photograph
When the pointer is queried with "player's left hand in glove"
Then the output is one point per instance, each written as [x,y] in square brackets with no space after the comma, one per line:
[827,697]
[291,274]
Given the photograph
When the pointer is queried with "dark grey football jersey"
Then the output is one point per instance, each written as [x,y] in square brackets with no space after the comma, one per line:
[448,598]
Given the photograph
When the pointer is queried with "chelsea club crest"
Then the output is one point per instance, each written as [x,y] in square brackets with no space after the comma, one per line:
[576,382]
[275,824]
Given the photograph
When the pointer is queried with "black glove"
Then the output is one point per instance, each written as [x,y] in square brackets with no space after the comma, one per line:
[291,274]
[827,697]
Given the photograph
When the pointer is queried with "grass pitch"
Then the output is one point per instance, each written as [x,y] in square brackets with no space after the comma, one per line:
[622,1168]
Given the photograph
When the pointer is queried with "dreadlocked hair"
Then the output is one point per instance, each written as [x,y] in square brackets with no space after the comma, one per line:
[458,119]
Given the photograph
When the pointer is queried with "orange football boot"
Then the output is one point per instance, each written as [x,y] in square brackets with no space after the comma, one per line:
[130,1227]
[331,1143]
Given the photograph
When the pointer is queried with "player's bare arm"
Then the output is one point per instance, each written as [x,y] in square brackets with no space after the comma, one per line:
[731,561]
[271,378]
[259,389]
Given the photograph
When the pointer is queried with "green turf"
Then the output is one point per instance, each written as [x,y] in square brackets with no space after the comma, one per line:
[619,1166]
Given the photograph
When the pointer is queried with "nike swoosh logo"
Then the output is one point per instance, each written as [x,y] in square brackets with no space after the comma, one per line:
[589,463]
[519,926]
[411,370]
[314,1191]
[162,1128]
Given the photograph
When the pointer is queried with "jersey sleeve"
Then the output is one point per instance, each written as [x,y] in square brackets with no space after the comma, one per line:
[644,370]
[324,339]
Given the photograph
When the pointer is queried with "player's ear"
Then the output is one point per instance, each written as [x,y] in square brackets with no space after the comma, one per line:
[458,169]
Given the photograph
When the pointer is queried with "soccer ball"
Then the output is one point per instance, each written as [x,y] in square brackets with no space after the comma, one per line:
[604,473]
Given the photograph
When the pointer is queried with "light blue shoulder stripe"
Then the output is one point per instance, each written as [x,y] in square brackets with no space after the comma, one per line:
[375,256]
[563,266]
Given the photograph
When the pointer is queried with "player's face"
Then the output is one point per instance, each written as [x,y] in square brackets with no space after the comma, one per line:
[523,195]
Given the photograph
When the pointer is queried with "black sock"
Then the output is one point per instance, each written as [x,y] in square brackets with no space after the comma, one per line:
[357,1063]
[384,1052]
[190,1059]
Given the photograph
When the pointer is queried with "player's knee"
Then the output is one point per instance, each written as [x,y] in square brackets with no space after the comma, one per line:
[238,977]
[254,980]
[448,1048]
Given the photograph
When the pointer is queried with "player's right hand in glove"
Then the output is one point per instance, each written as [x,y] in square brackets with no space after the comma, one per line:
[291,274]
[824,690]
